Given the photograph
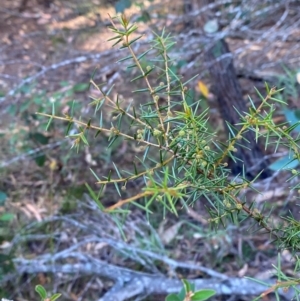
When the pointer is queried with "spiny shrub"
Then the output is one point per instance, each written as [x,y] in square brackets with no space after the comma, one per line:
[181,160]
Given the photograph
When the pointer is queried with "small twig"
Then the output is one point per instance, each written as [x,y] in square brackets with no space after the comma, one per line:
[32,153]
[76,60]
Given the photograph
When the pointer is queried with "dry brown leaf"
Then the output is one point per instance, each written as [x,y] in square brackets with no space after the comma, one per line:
[5,245]
[100,245]
[35,211]
[203,88]
[73,296]
[44,19]
[26,212]
[53,164]
[298,77]
[267,195]
[287,256]
[167,235]
[42,278]
[88,158]
[196,216]
[242,272]
[265,275]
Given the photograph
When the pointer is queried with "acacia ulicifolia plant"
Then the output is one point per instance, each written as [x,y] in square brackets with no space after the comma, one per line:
[182,161]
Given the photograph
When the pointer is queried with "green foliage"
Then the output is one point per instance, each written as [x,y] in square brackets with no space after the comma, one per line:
[5,219]
[3,197]
[122,5]
[289,82]
[182,161]
[29,134]
[6,263]
[188,293]
[43,294]
[6,266]
[284,282]
[289,161]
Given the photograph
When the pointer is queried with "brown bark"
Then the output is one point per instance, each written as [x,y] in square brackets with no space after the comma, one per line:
[24,4]
[229,97]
